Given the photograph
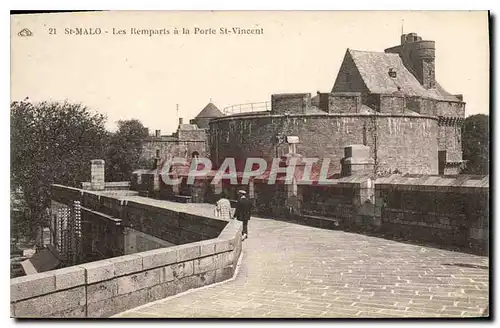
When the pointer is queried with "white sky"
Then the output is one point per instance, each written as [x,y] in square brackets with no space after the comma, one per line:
[145,77]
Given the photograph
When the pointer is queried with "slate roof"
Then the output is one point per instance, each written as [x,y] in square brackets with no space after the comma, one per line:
[45,260]
[188,127]
[374,67]
[209,111]
[167,138]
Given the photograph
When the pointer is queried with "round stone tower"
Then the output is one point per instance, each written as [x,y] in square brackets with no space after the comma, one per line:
[419,58]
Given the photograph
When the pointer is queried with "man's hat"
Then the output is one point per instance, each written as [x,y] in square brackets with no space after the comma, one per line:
[242,192]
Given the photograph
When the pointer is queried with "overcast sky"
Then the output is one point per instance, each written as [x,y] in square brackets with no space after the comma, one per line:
[136,76]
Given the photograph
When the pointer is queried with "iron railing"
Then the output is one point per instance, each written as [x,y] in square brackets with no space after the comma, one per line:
[248,108]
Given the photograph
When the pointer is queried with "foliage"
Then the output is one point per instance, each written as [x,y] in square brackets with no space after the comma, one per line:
[124,150]
[475,144]
[51,142]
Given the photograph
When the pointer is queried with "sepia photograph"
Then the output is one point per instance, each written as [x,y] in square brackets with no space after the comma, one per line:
[250,164]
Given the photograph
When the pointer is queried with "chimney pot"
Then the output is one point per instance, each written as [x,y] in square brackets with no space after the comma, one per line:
[180,120]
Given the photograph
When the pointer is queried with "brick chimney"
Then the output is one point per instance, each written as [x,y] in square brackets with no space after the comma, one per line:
[97,174]
[158,133]
[180,120]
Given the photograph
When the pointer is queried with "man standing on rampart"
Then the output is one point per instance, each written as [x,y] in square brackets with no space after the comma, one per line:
[243,211]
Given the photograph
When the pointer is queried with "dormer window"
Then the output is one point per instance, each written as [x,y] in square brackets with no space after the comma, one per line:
[392,73]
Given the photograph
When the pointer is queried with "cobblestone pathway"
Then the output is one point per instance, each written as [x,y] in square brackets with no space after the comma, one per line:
[289,270]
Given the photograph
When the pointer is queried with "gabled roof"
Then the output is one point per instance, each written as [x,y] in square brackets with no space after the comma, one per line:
[374,70]
[188,127]
[209,111]
[45,260]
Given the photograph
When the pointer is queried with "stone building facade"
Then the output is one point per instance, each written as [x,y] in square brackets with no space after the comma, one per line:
[389,101]
[189,139]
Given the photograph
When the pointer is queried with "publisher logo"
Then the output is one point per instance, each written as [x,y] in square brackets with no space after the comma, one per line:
[25,32]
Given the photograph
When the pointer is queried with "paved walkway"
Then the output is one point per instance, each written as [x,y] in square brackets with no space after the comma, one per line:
[289,270]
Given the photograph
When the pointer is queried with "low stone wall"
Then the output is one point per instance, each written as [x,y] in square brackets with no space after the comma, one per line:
[104,288]
[157,218]
[173,226]
[450,211]
[118,185]
[336,202]
[455,216]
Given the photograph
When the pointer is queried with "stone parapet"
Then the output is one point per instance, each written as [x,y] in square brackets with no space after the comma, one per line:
[104,288]
[446,211]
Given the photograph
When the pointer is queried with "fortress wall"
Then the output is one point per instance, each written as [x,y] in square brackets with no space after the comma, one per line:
[446,215]
[450,140]
[450,108]
[106,287]
[404,143]
[407,144]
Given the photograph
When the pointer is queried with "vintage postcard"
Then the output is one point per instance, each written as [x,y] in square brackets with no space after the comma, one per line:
[279,164]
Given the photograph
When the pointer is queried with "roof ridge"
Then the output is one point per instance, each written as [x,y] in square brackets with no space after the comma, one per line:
[373,52]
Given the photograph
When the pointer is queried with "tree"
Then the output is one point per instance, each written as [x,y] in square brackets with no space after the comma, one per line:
[475,144]
[51,142]
[124,150]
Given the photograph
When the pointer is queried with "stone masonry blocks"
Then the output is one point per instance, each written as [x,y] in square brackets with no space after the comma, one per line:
[158,257]
[106,287]
[207,247]
[225,259]
[167,273]
[223,245]
[97,174]
[47,304]
[195,281]
[111,306]
[77,312]
[188,252]
[162,290]
[127,264]
[181,270]
[139,281]
[102,290]
[325,136]
[32,285]
[224,274]
[205,264]
[99,271]
[69,277]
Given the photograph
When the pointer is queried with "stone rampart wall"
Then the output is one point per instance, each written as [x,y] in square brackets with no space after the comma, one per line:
[104,288]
